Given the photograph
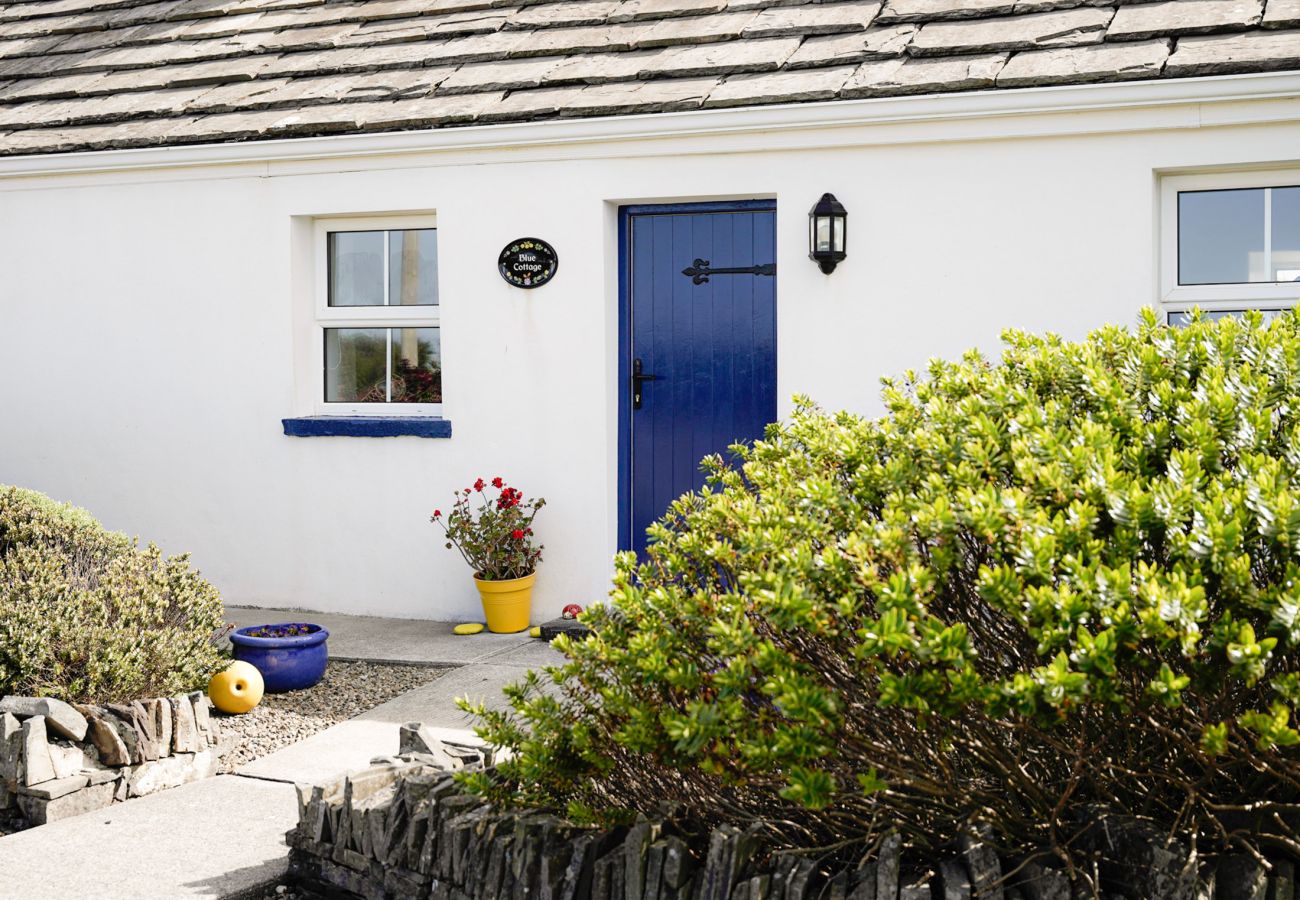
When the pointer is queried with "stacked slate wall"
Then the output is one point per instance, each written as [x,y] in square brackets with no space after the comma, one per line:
[63,759]
[403,829]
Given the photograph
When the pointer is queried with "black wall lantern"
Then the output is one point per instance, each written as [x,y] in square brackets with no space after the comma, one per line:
[828,224]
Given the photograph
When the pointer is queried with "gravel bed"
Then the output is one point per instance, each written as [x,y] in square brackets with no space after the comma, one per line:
[348,689]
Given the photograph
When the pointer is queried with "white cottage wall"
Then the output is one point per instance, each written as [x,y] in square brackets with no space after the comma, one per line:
[152,321]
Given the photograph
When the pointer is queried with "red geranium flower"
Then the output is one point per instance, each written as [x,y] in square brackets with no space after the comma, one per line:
[497,482]
[478,485]
[517,534]
[437,513]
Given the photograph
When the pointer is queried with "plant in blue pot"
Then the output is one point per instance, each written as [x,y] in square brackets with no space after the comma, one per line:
[291,655]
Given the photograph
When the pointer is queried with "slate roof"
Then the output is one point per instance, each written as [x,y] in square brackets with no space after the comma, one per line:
[105,74]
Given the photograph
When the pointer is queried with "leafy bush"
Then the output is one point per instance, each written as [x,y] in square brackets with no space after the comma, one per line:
[86,615]
[1063,581]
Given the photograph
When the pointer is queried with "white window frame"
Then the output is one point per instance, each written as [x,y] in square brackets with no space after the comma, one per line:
[1227,297]
[327,316]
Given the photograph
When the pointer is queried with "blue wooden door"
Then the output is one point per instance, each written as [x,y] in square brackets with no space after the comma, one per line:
[699,346]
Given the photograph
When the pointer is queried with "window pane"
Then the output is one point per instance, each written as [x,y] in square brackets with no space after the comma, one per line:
[1286,234]
[355,365]
[417,365]
[1221,237]
[356,268]
[1183,318]
[413,267]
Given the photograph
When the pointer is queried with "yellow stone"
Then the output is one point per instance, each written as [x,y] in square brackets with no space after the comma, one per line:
[468,628]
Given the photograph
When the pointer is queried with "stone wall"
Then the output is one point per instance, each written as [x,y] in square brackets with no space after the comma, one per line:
[402,829]
[62,759]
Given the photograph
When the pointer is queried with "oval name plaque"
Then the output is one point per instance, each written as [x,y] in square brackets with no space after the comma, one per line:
[528,262]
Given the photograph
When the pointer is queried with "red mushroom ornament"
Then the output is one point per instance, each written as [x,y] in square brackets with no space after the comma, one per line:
[571,611]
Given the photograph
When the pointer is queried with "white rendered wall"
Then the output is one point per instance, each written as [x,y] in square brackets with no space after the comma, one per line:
[150,322]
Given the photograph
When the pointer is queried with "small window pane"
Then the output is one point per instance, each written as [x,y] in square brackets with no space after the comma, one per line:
[1221,237]
[413,267]
[417,365]
[356,268]
[1182,318]
[356,368]
[1286,234]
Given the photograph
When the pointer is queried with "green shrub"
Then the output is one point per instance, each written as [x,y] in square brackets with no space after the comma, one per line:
[1064,580]
[86,615]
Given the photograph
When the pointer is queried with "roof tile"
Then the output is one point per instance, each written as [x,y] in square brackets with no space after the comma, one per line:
[923,76]
[513,74]
[525,105]
[696,29]
[53,113]
[95,40]
[585,39]
[1085,25]
[728,57]
[780,87]
[666,95]
[211,72]
[1078,65]
[321,37]
[578,12]
[1254,51]
[598,68]
[218,26]
[1282,14]
[1178,17]
[136,133]
[50,88]
[820,18]
[632,10]
[29,46]
[877,43]
[932,10]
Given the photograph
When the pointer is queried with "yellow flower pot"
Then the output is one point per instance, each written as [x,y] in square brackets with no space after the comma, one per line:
[507,604]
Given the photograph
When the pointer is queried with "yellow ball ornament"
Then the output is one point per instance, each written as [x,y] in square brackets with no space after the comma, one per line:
[236,689]
[535,631]
[468,628]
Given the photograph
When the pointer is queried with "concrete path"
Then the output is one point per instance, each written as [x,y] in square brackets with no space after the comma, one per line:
[213,838]
[225,835]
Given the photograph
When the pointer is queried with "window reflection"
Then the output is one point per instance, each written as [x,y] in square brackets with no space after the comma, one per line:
[417,366]
[383,268]
[1285,256]
[1245,236]
[1183,317]
[383,365]
[355,367]
[1220,237]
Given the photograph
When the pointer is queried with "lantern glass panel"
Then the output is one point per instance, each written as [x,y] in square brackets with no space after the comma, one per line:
[841,224]
[823,242]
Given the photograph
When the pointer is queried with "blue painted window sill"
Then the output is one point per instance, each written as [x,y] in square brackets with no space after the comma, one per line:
[368,426]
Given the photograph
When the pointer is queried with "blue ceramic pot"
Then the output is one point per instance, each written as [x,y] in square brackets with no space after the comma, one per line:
[286,663]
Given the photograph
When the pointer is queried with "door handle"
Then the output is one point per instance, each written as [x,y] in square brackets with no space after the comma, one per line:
[639,378]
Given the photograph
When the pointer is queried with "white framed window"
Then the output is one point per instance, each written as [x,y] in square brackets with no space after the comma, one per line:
[377,328]
[1230,242]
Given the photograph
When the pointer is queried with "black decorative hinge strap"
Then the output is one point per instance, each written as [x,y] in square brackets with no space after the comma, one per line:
[699,272]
